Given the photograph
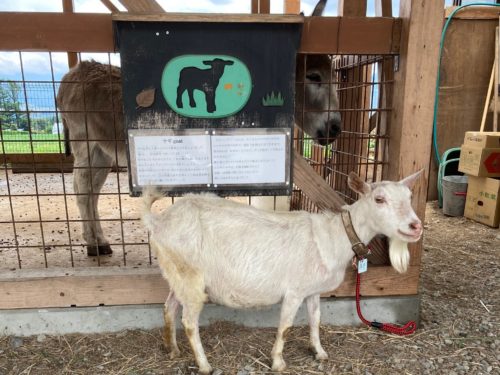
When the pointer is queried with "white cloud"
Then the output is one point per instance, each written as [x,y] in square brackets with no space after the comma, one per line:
[31,6]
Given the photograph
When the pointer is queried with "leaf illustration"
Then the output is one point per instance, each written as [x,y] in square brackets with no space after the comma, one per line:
[145,98]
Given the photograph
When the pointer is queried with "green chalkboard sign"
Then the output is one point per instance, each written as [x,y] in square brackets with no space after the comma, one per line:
[206,86]
[209,105]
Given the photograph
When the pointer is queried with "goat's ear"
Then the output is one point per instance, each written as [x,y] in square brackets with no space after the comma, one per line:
[357,184]
[319,8]
[208,62]
[410,180]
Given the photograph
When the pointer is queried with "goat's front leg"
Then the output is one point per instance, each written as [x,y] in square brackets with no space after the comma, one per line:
[289,309]
[313,309]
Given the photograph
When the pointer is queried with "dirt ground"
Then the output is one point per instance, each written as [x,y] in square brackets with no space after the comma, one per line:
[458,333]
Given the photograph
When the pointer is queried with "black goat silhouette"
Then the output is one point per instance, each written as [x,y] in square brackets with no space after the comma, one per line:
[205,80]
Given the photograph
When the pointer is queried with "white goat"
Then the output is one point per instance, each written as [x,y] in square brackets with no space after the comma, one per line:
[243,257]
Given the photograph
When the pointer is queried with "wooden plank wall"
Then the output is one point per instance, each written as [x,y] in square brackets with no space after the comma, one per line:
[126,286]
[465,72]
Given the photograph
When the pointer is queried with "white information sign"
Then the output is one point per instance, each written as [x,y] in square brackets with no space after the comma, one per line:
[209,158]
[249,159]
[172,160]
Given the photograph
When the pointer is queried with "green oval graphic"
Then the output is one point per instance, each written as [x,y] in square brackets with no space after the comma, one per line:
[206,86]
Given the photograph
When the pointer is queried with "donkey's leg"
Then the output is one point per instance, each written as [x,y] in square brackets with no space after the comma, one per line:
[89,176]
[169,332]
[289,307]
[314,319]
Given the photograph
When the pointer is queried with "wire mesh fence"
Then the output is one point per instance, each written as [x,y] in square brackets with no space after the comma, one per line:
[40,220]
[364,86]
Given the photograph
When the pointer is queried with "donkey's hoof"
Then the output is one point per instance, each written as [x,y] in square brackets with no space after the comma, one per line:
[93,251]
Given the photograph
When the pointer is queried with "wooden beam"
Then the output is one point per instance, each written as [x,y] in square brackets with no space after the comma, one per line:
[56,32]
[291,6]
[414,85]
[351,35]
[41,163]
[111,7]
[352,8]
[209,17]
[142,6]
[314,186]
[81,32]
[95,286]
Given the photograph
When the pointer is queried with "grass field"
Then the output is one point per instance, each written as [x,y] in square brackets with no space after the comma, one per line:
[19,142]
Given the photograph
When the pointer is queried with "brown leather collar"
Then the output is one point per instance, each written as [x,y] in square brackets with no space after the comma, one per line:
[359,248]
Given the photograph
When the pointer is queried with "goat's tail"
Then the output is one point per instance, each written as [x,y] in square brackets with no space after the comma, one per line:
[149,196]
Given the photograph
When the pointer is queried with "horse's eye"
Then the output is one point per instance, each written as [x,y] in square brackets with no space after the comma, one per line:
[315,77]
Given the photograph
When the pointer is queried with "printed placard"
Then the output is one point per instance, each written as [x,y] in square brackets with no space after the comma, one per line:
[249,159]
[209,159]
[172,160]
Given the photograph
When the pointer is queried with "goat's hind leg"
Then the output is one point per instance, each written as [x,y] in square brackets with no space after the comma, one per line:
[289,308]
[313,309]
[169,332]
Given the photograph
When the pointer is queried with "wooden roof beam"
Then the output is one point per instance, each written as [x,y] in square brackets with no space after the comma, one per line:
[142,6]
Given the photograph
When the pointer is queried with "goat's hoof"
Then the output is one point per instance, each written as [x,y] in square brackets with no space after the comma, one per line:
[205,370]
[93,251]
[321,355]
[279,365]
[174,353]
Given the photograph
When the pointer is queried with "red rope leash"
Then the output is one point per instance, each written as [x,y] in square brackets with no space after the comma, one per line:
[407,329]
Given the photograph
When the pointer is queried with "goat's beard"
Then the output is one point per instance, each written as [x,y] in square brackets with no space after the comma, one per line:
[399,254]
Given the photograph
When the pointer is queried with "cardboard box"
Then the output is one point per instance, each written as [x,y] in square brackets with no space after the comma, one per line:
[483,200]
[482,139]
[477,161]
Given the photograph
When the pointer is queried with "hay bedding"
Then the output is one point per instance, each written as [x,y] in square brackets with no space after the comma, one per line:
[458,332]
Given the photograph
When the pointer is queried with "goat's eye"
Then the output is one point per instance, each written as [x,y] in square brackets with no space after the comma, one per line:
[379,200]
[314,77]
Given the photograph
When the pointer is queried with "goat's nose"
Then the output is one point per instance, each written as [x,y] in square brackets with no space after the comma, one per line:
[416,226]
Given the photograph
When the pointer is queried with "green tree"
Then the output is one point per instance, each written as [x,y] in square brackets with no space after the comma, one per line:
[11,116]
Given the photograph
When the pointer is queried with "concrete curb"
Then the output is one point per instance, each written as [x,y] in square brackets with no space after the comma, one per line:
[334,311]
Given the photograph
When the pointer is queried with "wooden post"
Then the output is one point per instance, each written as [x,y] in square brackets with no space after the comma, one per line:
[350,153]
[414,89]
[291,6]
[142,6]
[383,8]
[261,6]
[72,56]
[352,8]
